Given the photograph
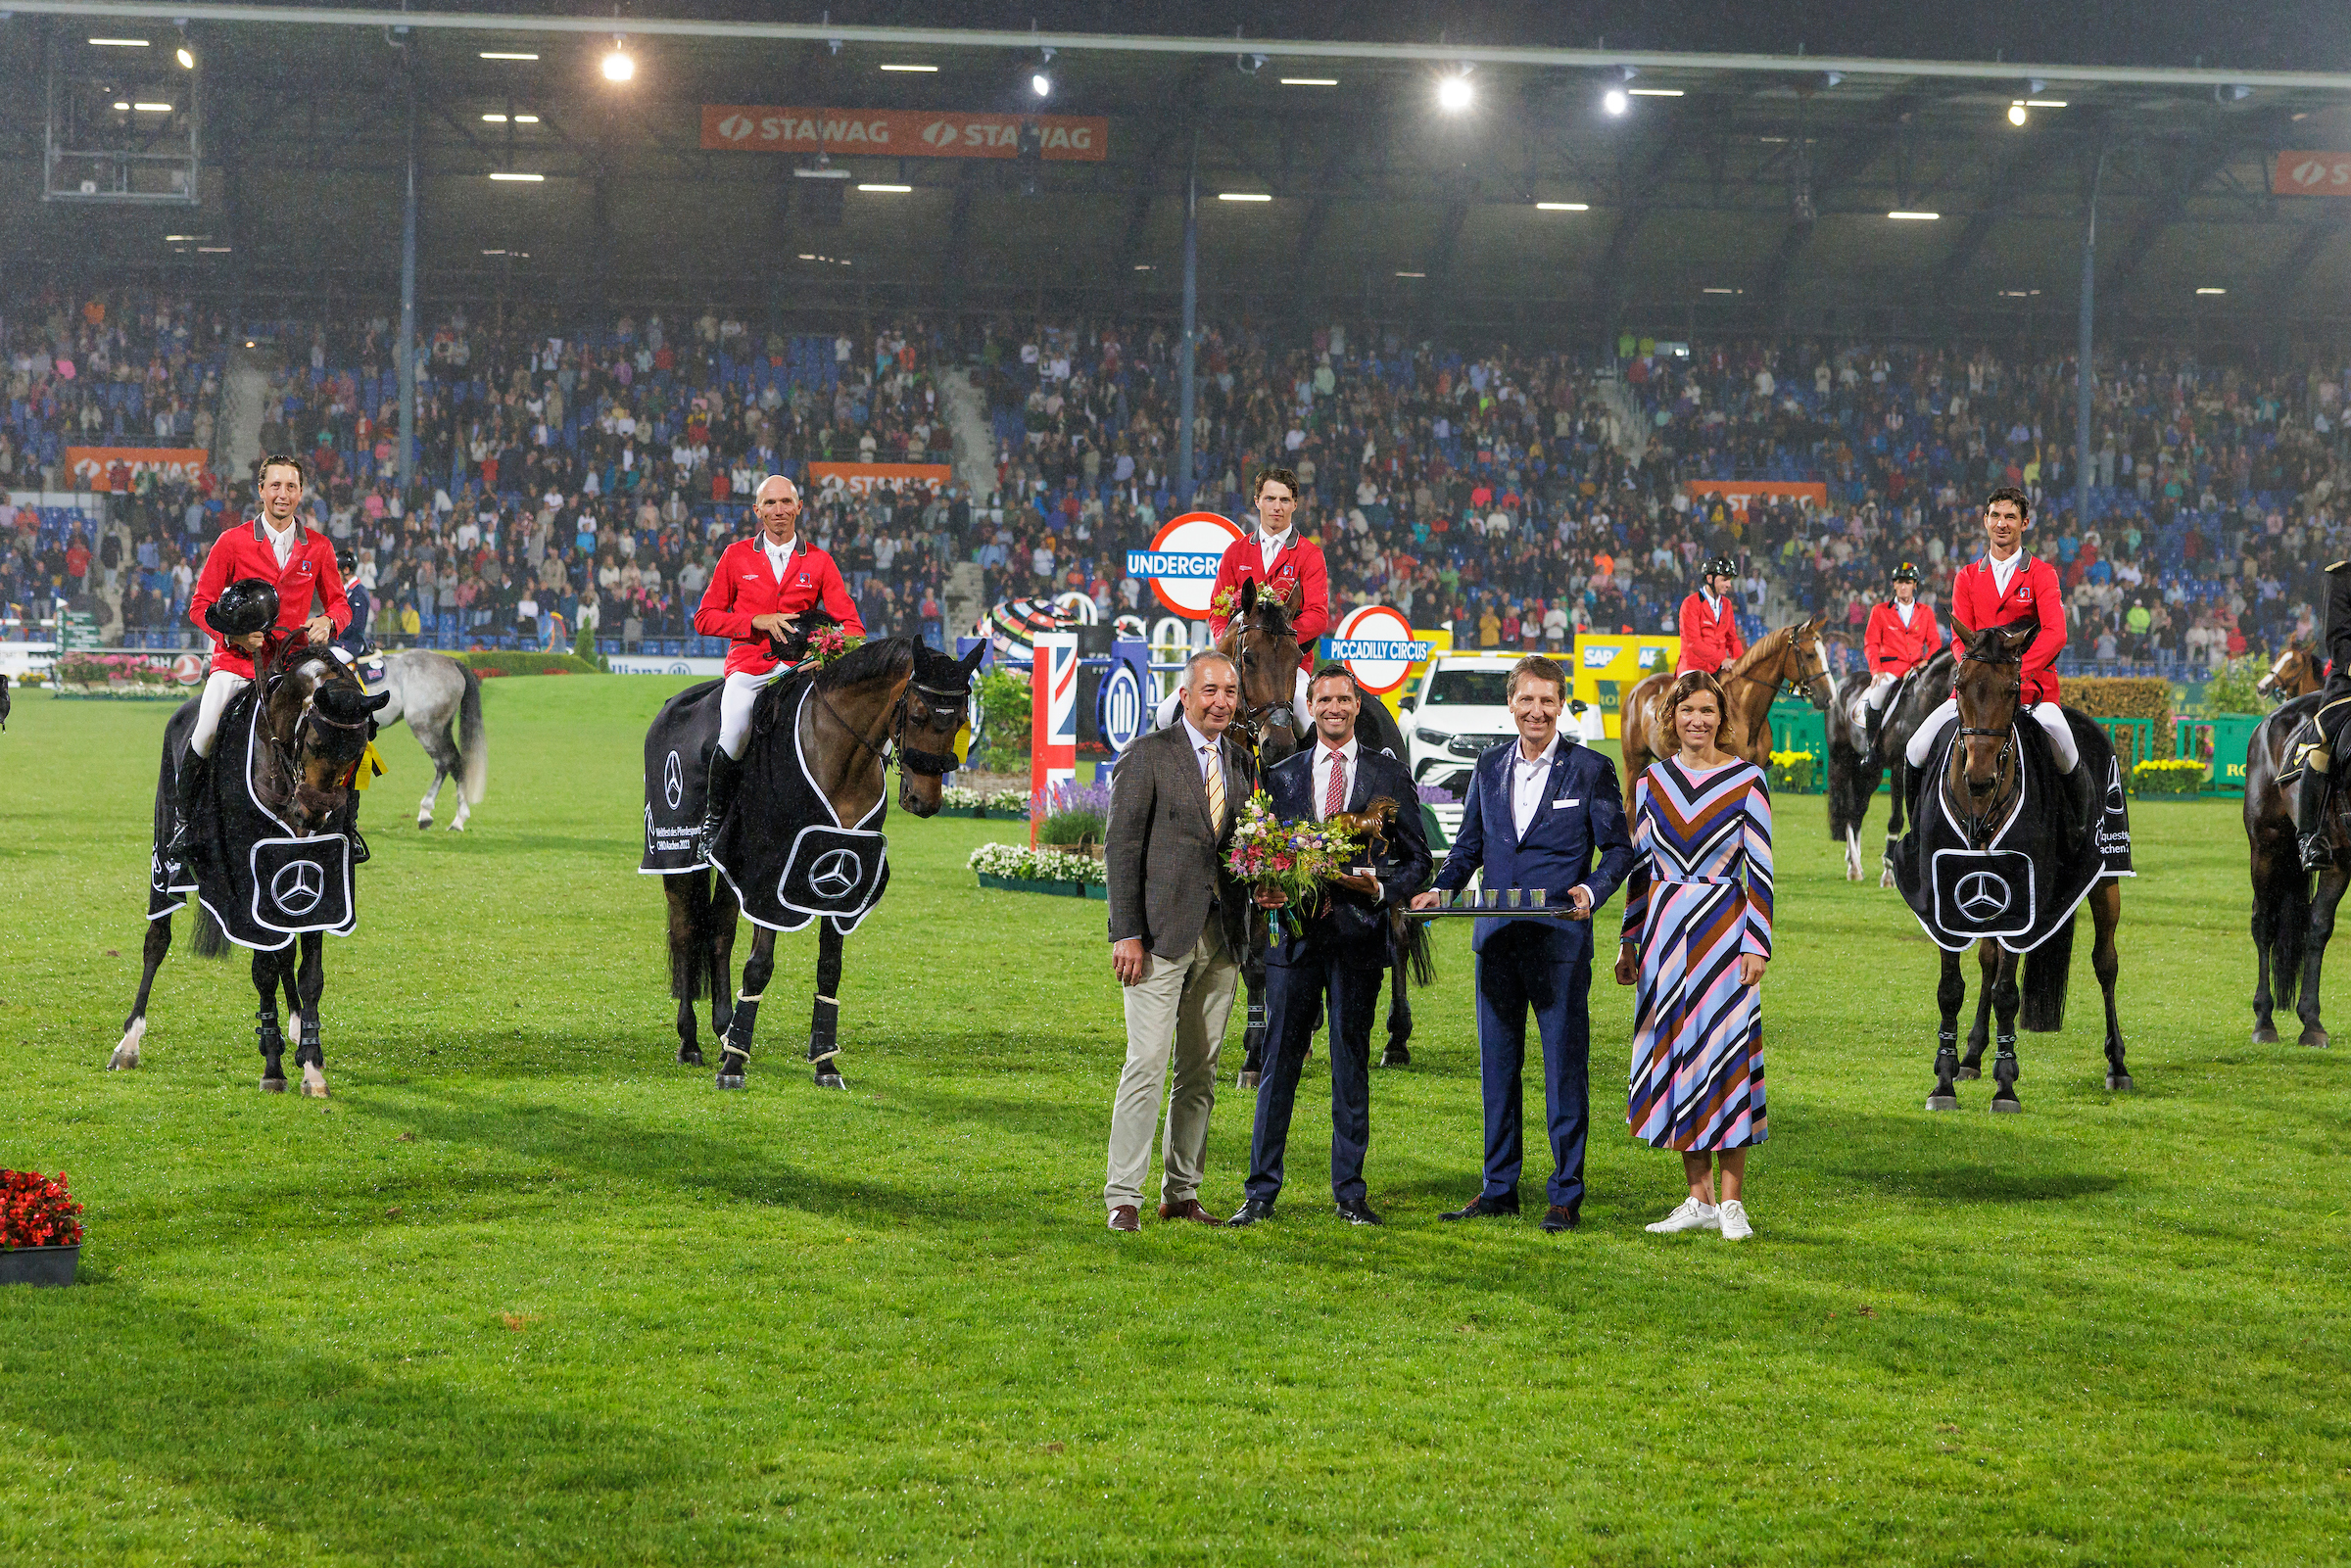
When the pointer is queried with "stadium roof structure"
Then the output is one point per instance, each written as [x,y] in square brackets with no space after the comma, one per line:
[1553,192]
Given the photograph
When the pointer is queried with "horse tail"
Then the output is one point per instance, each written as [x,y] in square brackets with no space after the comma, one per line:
[690,965]
[473,746]
[211,940]
[2288,894]
[2047,970]
[1421,953]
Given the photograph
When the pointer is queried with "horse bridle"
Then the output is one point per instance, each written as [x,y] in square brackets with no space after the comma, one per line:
[2004,761]
[911,759]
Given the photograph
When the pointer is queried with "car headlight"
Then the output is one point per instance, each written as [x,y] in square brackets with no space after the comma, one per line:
[1434,737]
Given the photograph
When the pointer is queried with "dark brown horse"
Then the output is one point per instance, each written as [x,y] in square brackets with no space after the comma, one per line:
[314,728]
[1982,789]
[2295,673]
[1788,658]
[1855,766]
[2292,925]
[895,695]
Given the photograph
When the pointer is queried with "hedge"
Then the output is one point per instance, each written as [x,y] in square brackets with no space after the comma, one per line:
[2114,697]
[487,662]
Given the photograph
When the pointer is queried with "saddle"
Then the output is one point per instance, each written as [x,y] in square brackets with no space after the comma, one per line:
[2308,736]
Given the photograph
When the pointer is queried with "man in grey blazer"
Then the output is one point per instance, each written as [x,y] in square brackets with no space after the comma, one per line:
[1178,925]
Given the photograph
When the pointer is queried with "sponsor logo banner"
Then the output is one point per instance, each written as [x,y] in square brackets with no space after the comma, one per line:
[866,479]
[2311,175]
[1739,491]
[898,132]
[1181,563]
[1172,563]
[89,465]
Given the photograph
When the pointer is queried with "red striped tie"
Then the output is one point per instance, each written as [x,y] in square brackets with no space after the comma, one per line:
[1334,798]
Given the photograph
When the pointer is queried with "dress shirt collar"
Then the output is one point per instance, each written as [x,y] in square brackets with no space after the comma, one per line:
[282,541]
[1542,759]
[1201,743]
[1270,546]
[1324,748]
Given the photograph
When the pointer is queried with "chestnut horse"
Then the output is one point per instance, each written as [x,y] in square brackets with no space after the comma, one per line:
[1790,657]
[2297,673]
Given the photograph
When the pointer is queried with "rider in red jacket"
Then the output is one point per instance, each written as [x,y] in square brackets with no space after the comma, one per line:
[1901,633]
[757,591]
[1709,628]
[1278,560]
[2007,585]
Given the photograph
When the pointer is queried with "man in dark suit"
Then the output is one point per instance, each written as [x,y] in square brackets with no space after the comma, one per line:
[1338,951]
[1177,929]
[1539,810]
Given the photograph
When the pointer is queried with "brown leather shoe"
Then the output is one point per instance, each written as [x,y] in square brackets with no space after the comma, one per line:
[1561,1217]
[1189,1209]
[1124,1218]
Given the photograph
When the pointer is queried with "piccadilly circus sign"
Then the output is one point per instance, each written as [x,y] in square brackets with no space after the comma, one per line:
[1378,647]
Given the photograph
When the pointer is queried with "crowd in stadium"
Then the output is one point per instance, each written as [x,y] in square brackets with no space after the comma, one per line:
[587,481]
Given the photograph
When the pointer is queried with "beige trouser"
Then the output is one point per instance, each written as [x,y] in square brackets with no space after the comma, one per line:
[1181,1007]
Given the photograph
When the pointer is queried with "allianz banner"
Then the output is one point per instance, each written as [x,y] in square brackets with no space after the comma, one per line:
[866,479]
[898,132]
[90,465]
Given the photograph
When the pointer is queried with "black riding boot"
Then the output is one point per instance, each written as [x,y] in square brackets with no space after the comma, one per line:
[725,774]
[2081,798]
[187,782]
[1873,722]
[2310,820]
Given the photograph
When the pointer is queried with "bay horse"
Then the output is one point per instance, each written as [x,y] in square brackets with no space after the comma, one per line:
[891,696]
[2297,672]
[1855,766]
[1982,788]
[441,699]
[2291,921]
[315,716]
[1790,657]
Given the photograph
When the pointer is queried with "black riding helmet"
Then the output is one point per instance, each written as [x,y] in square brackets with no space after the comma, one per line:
[1720,566]
[344,562]
[246,606]
[1905,573]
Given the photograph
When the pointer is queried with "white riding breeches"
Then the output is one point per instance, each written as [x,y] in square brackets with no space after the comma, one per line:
[2049,715]
[1172,703]
[1881,687]
[218,688]
[735,703]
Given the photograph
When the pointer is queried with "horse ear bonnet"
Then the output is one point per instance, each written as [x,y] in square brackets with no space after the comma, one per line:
[347,704]
[247,605]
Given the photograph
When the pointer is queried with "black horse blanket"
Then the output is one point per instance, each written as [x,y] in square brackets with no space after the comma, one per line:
[246,866]
[788,858]
[2024,884]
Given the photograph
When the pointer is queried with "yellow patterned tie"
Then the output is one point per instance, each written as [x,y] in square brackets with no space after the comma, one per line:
[1216,787]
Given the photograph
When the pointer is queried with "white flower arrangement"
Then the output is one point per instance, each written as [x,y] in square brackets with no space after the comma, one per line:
[1020,863]
[955,797]
[1012,803]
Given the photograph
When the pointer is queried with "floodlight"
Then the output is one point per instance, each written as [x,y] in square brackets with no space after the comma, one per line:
[1452,92]
[1614,101]
[187,59]
[2016,114]
[618,66]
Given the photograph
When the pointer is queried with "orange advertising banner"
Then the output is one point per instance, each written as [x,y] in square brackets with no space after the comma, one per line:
[1739,491]
[897,132]
[866,479]
[2311,175]
[90,466]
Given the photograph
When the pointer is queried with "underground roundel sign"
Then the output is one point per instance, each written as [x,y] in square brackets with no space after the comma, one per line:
[1181,563]
[1378,647]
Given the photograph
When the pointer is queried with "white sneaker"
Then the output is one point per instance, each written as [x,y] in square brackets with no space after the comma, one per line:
[1733,1221]
[1691,1215]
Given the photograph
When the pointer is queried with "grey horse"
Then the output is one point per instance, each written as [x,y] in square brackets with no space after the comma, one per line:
[442,702]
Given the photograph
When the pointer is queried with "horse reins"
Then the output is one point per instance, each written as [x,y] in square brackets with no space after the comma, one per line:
[2003,763]
[911,759]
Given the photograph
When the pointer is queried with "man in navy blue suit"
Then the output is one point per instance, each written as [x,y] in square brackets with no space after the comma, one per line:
[1540,809]
[1339,951]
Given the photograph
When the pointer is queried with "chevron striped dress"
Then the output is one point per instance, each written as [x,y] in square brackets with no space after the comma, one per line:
[1700,896]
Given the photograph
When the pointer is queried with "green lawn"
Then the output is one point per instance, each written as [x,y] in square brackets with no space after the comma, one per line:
[526,1291]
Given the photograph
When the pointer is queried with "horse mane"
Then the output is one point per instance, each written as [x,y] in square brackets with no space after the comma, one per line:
[1270,616]
[1771,640]
[882,658]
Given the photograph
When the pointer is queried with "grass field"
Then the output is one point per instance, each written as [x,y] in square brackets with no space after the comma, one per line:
[526,1291]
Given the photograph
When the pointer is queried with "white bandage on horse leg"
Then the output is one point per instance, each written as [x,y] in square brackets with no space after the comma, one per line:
[751,996]
[828,1001]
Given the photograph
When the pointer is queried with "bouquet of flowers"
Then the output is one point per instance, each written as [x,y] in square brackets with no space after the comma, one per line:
[36,1211]
[828,642]
[1227,604]
[1296,857]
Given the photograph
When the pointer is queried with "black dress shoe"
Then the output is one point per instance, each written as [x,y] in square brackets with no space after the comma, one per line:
[1562,1218]
[1250,1212]
[1358,1213]
[1481,1207]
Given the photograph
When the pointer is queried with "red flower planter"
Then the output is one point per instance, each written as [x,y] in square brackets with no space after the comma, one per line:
[39,1265]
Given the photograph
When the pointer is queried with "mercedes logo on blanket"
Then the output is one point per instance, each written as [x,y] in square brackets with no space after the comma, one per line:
[835,872]
[673,780]
[301,884]
[1982,895]
[297,886]
[832,871]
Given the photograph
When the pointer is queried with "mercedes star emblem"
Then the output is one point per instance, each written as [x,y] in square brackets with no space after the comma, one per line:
[835,872]
[297,886]
[1982,895]
[673,782]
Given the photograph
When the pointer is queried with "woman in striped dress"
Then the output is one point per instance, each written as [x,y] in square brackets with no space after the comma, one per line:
[1697,935]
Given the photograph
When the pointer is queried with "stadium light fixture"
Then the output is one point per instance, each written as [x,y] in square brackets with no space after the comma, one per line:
[2016,112]
[887,190]
[618,66]
[123,104]
[2045,103]
[2212,291]
[518,120]
[1411,275]
[151,109]
[1615,101]
[507,54]
[120,43]
[1562,206]
[1243,196]
[1720,291]
[1654,92]
[186,58]
[1453,91]
[1310,82]
[1916,217]
[1142,267]
[926,70]
[1040,81]
[529,179]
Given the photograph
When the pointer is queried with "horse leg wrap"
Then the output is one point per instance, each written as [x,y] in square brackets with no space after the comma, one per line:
[310,1053]
[740,1027]
[2003,1070]
[824,1029]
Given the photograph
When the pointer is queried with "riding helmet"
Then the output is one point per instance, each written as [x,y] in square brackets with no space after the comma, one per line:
[247,605]
[1720,566]
[1905,573]
[344,562]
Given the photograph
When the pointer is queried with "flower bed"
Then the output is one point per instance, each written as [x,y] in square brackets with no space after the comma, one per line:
[117,675]
[41,1229]
[2170,776]
[957,801]
[1019,868]
[1792,772]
